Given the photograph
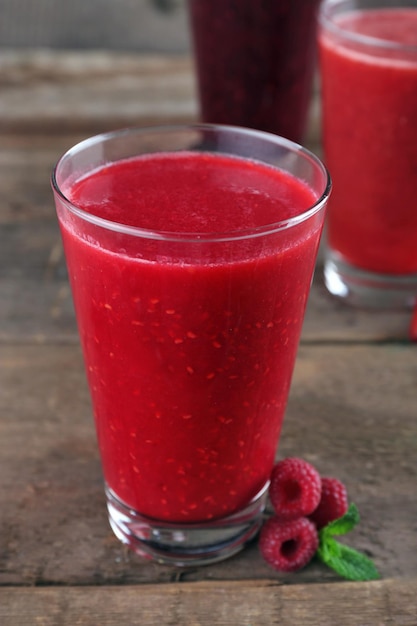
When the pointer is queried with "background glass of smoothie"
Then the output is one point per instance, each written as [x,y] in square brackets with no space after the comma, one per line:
[190,252]
[368,59]
[255,62]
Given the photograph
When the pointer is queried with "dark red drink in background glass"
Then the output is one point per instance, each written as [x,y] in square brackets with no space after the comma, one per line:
[255,62]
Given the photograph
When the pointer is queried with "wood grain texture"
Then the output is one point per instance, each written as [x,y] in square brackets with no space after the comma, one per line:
[260,603]
[94,91]
[56,91]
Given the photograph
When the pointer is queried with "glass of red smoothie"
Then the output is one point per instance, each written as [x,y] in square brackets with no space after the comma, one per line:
[190,252]
[255,61]
[368,60]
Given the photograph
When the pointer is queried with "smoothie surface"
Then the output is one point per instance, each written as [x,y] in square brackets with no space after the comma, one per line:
[200,193]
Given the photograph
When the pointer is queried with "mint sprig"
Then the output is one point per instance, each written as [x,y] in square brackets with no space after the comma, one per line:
[347,562]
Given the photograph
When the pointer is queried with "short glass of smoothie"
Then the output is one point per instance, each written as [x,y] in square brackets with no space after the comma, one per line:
[190,252]
[368,61]
[255,62]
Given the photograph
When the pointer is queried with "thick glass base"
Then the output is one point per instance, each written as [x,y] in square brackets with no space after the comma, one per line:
[185,544]
[368,290]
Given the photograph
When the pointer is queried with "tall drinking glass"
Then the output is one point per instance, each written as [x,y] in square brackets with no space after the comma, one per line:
[368,59]
[255,62]
[190,252]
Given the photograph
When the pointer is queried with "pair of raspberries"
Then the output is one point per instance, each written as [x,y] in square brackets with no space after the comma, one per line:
[303,502]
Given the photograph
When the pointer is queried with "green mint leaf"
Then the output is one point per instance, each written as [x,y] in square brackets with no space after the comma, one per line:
[347,562]
[344,524]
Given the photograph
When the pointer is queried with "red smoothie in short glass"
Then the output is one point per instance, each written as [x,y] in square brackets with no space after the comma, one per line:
[189,358]
[370,139]
[255,61]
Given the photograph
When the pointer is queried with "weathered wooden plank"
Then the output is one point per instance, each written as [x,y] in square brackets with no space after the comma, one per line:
[264,602]
[50,91]
[46,91]
[352,412]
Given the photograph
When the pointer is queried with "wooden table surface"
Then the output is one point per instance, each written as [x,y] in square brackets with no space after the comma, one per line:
[352,409]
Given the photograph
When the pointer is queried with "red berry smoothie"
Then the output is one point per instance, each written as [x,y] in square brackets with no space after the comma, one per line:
[255,62]
[189,347]
[370,138]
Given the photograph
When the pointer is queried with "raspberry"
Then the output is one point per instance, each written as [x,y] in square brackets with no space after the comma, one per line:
[333,503]
[295,488]
[288,546]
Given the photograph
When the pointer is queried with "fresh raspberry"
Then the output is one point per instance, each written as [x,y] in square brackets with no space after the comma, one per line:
[295,488]
[333,503]
[288,546]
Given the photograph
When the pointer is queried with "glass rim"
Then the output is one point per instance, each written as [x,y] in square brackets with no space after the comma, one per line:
[184,236]
[327,21]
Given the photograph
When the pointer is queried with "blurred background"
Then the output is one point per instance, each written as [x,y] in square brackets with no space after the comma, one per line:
[126,25]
